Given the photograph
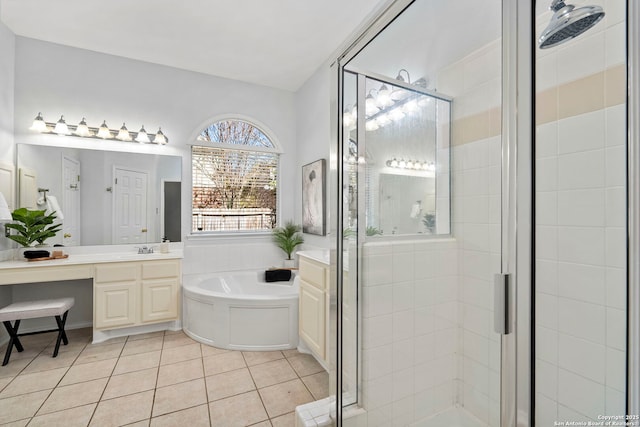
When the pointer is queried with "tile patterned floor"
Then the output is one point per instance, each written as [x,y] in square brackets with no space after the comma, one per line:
[157,379]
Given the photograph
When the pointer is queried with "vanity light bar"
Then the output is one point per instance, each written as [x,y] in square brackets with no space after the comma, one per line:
[411,165]
[103,132]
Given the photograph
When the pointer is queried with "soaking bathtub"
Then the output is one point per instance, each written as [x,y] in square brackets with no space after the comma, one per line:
[240,311]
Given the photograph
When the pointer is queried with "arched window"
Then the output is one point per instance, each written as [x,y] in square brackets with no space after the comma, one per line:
[234,178]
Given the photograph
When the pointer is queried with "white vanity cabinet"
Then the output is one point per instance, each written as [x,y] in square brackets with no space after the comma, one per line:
[313,305]
[136,293]
[160,288]
[115,294]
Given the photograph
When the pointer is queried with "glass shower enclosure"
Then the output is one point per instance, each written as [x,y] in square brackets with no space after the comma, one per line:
[423,172]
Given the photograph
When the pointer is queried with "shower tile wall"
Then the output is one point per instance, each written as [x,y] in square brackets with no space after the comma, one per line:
[428,306]
[475,83]
[580,223]
[409,330]
[226,254]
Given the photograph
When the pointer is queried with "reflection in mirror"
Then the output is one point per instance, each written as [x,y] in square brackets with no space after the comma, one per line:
[405,152]
[102,197]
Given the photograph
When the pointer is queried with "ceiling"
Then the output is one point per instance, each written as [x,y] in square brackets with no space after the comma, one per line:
[275,43]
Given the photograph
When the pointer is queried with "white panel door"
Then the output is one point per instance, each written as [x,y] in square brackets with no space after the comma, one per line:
[71,202]
[28,189]
[130,207]
[7,187]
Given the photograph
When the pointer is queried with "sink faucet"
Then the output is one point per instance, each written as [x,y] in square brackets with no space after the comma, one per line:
[145,250]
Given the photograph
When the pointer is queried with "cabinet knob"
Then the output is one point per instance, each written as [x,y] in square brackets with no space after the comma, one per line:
[144,230]
[66,235]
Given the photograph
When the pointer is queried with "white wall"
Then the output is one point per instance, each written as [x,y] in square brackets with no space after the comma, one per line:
[313,139]
[57,80]
[7,47]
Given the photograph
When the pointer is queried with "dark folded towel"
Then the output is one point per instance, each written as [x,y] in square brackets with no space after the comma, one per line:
[277,275]
[33,254]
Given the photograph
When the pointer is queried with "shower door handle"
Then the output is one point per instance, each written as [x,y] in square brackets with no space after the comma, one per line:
[501,307]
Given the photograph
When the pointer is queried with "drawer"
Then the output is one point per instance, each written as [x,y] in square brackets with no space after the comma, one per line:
[160,269]
[120,272]
[312,273]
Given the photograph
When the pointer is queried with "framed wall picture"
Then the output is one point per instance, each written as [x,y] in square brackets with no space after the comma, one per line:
[313,198]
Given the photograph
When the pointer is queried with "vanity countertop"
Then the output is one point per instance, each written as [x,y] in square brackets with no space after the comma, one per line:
[95,255]
[321,256]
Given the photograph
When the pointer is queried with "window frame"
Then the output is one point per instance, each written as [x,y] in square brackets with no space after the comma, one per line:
[276,149]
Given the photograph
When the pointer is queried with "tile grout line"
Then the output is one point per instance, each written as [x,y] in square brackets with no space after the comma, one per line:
[155,388]
[93,413]
[303,383]
[56,387]
[120,355]
[256,386]
[206,389]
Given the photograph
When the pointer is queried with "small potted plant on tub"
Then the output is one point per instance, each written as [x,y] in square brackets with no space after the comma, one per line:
[288,238]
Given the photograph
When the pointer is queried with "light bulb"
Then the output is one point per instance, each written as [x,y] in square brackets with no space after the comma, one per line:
[103,131]
[421,82]
[382,120]
[142,135]
[410,107]
[424,101]
[39,124]
[61,127]
[160,138]
[361,160]
[409,164]
[402,164]
[371,125]
[396,114]
[384,97]
[394,163]
[347,119]
[123,134]
[82,129]
[398,94]
[370,106]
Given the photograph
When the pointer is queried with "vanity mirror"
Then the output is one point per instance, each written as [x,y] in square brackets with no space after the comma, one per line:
[401,156]
[105,197]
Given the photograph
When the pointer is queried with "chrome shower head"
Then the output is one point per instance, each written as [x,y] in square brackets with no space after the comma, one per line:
[568,22]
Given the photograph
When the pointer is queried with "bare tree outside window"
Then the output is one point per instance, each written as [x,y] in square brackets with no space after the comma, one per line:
[235,188]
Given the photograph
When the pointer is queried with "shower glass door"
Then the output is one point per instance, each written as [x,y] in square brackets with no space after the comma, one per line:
[581,216]
[424,180]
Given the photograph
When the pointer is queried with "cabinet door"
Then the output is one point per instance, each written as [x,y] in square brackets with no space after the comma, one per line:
[115,305]
[312,317]
[159,299]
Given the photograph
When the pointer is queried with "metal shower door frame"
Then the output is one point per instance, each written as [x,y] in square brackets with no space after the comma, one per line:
[517,405]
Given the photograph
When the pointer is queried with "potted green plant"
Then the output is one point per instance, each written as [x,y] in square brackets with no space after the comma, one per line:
[288,238]
[33,227]
[429,221]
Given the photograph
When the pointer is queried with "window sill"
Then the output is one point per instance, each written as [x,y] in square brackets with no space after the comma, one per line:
[208,236]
